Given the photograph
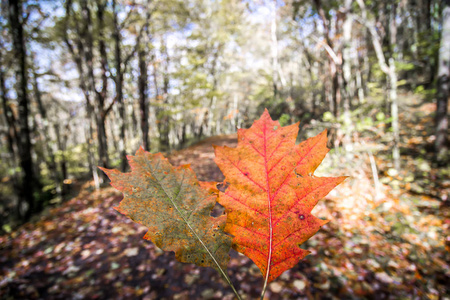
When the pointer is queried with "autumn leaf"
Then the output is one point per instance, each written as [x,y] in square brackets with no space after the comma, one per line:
[271,193]
[175,208]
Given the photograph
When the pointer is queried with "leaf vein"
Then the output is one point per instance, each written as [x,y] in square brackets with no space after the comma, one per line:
[245,175]
[252,231]
[276,148]
[245,204]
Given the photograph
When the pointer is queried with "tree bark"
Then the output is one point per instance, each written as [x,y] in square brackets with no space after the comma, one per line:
[394,113]
[143,80]
[443,88]
[119,90]
[29,180]
[11,132]
[208,116]
[62,141]
[393,86]
[143,96]
[44,124]
[274,46]
[347,78]
[101,95]
[162,111]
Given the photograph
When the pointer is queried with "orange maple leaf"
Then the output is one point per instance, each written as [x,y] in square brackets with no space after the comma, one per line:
[271,193]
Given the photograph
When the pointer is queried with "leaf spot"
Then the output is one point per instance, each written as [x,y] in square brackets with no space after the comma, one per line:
[246,173]
[301,217]
[275,127]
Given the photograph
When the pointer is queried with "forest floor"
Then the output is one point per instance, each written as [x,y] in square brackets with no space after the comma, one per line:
[385,240]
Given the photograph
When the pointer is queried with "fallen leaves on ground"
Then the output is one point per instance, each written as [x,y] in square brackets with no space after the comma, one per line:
[388,245]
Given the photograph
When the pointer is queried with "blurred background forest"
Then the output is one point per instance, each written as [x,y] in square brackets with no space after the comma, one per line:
[83,83]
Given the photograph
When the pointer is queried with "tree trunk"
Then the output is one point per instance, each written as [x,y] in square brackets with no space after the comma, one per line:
[393,85]
[113,128]
[85,36]
[119,91]
[346,68]
[274,46]
[334,65]
[394,113]
[143,96]
[62,141]
[101,95]
[44,124]
[359,80]
[309,65]
[162,111]
[11,132]
[443,88]
[143,81]
[29,180]
[208,116]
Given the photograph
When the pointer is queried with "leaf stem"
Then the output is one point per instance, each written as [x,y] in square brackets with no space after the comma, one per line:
[228,280]
[269,198]
[263,292]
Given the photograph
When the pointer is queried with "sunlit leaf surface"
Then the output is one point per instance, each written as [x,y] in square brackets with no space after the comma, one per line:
[271,193]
